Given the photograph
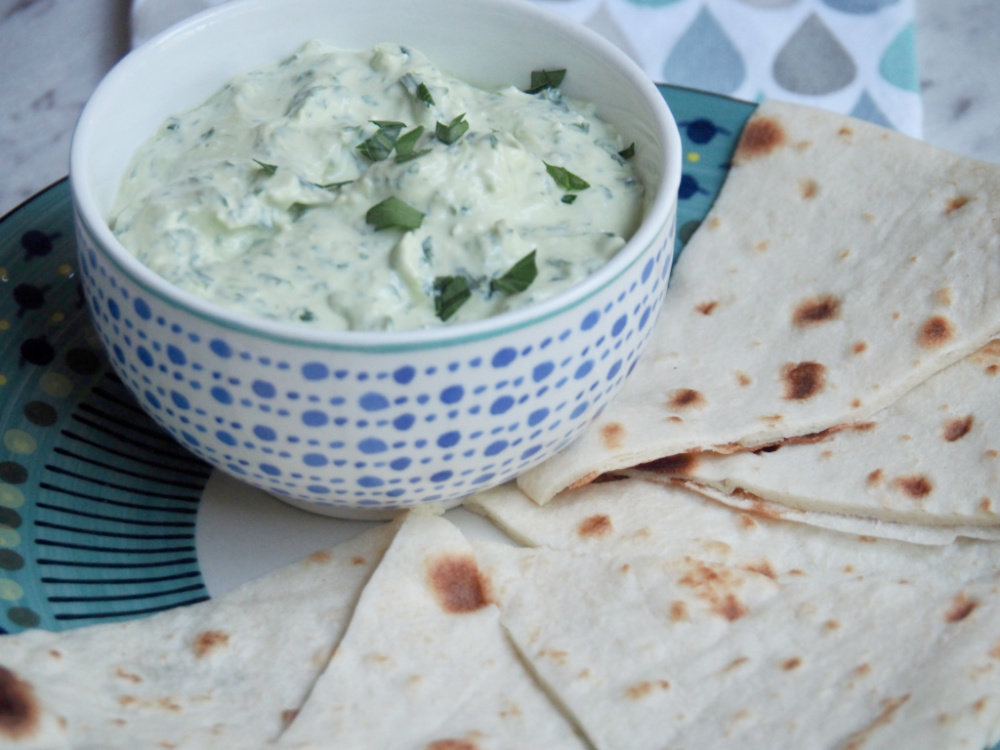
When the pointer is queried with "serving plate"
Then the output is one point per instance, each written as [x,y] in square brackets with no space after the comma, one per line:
[103,516]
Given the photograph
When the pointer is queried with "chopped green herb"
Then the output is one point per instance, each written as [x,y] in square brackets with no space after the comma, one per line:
[391,128]
[406,143]
[393,213]
[545,79]
[424,94]
[307,316]
[566,179]
[450,293]
[380,145]
[297,209]
[333,185]
[569,198]
[452,131]
[268,169]
[628,152]
[518,277]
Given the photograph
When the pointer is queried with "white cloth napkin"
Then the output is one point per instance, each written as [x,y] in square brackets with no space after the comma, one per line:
[852,56]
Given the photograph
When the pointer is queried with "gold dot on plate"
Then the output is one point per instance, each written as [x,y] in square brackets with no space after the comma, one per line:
[694,156]
[10,590]
[4,324]
[56,384]
[65,269]
[10,496]
[19,441]
[3,380]
[57,317]
[3,274]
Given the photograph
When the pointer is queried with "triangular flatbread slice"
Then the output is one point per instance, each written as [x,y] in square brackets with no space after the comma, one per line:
[841,265]
[230,672]
[927,466]
[665,652]
[425,663]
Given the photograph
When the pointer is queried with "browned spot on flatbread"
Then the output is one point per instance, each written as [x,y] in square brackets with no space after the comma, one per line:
[599,525]
[935,332]
[993,370]
[675,419]
[816,310]
[956,203]
[762,246]
[808,188]
[686,398]
[862,669]
[679,611]
[680,464]
[738,661]
[760,137]
[642,689]
[714,223]
[706,308]
[859,347]
[856,403]
[743,379]
[803,380]
[916,486]
[764,568]
[992,453]
[453,744]
[789,664]
[943,296]
[20,714]
[747,521]
[126,675]
[584,480]
[208,641]
[956,429]
[995,651]
[771,419]
[961,607]
[358,560]
[715,586]
[320,558]
[845,131]
[867,539]
[862,426]
[55,654]
[875,478]
[457,584]
[889,707]
[288,716]
[831,625]
[985,505]
[612,435]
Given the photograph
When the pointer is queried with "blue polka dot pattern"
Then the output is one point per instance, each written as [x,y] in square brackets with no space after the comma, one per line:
[390,428]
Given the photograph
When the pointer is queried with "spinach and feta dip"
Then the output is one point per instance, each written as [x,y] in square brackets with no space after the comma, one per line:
[367,190]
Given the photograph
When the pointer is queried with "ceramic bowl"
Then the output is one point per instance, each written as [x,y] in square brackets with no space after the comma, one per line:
[355,424]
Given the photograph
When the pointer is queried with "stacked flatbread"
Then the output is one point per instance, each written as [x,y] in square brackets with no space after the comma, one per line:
[842,266]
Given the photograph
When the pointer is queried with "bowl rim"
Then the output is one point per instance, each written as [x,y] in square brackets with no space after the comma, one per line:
[90,218]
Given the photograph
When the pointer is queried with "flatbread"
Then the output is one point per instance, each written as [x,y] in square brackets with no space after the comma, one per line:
[230,672]
[668,653]
[841,265]
[925,468]
[425,663]
[631,516]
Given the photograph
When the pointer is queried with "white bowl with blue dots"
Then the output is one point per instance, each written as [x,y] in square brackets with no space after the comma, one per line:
[356,424]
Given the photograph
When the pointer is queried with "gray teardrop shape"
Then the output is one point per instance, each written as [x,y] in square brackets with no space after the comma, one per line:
[704,58]
[867,109]
[813,62]
[769,3]
[859,7]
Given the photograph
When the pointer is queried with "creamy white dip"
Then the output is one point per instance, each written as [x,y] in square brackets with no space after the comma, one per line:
[257,199]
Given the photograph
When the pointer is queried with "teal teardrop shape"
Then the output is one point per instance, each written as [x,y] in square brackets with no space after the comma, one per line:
[859,7]
[867,109]
[813,62]
[704,58]
[899,61]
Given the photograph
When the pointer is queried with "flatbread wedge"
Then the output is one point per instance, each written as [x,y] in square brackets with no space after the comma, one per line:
[841,265]
[926,467]
[230,672]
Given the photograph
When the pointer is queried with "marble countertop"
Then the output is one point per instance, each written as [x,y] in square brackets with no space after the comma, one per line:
[54,52]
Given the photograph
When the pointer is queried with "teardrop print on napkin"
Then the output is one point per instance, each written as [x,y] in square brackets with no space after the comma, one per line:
[603,23]
[859,7]
[899,61]
[813,62]
[705,58]
[654,3]
[867,109]
[769,3]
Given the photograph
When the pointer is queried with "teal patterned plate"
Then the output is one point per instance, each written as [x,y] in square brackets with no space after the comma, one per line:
[103,516]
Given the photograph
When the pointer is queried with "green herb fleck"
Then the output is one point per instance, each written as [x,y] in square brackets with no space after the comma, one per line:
[450,293]
[331,186]
[569,198]
[424,94]
[451,132]
[307,316]
[393,213]
[545,79]
[518,277]
[566,179]
[380,145]
[268,169]
[406,144]
[628,152]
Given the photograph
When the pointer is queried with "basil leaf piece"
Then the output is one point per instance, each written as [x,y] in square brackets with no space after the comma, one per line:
[394,213]
[391,128]
[424,94]
[566,179]
[451,132]
[545,79]
[569,198]
[628,152]
[380,145]
[450,293]
[407,142]
[331,186]
[268,169]
[518,277]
